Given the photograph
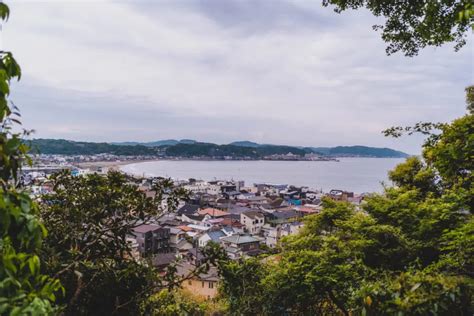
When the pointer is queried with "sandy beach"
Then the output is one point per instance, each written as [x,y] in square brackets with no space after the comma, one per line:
[111,165]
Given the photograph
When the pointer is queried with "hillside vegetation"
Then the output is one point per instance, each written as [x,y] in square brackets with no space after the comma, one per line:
[190,148]
[68,147]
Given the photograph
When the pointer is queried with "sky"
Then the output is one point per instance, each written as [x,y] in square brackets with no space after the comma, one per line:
[281,72]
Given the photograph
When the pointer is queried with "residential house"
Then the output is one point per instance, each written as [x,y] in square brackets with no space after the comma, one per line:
[151,239]
[212,235]
[340,195]
[195,219]
[203,285]
[233,195]
[283,216]
[213,212]
[162,260]
[237,246]
[235,224]
[253,221]
[273,234]
[187,209]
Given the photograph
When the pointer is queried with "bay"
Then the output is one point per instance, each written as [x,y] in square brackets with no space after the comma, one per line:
[353,174]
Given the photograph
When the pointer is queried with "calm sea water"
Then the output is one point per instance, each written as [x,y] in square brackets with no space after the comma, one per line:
[354,174]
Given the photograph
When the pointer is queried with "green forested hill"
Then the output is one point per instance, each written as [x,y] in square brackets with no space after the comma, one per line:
[360,151]
[67,147]
[213,150]
[191,148]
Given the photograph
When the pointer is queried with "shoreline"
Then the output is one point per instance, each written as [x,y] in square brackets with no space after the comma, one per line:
[111,165]
[115,165]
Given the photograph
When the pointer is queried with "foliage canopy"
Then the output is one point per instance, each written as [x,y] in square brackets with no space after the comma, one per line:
[24,289]
[413,25]
[406,251]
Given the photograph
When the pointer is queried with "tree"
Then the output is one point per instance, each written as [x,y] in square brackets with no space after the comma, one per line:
[24,289]
[89,218]
[406,251]
[470,99]
[413,25]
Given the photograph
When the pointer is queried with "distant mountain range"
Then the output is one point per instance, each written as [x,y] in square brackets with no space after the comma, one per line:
[165,142]
[191,148]
[339,151]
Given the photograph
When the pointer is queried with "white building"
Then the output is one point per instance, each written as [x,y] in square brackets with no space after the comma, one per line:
[253,221]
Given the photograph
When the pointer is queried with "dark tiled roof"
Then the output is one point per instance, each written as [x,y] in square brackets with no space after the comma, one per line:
[195,217]
[253,214]
[185,269]
[188,209]
[163,259]
[284,214]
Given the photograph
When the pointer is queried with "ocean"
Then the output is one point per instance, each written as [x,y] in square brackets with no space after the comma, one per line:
[358,175]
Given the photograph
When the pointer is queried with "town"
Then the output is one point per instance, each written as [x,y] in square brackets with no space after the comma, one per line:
[245,220]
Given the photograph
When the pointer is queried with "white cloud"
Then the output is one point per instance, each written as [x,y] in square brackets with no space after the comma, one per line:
[289,73]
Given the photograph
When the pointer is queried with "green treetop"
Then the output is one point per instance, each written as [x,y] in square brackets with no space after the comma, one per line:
[24,289]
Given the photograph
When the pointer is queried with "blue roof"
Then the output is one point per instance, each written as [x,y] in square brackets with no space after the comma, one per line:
[228,229]
[216,235]
[294,202]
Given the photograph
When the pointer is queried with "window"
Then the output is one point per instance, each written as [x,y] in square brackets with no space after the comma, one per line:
[211,285]
[202,283]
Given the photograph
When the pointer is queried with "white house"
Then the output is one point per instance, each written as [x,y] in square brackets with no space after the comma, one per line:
[208,236]
[253,221]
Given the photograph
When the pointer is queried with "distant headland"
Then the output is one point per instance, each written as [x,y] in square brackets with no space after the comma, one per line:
[191,149]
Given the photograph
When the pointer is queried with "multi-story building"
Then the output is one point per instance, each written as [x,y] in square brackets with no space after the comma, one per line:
[253,221]
[152,239]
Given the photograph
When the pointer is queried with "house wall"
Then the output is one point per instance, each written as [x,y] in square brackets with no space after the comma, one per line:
[201,288]
[253,226]
[203,240]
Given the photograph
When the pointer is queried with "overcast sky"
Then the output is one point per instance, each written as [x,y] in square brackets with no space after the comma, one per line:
[283,72]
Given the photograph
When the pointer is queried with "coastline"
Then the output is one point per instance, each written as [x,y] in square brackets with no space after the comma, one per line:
[353,174]
[111,165]
[116,165]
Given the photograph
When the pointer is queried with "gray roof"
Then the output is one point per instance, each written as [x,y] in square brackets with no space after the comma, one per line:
[228,229]
[284,214]
[239,239]
[232,249]
[145,228]
[196,253]
[234,209]
[216,235]
[184,269]
[253,214]
[183,244]
[175,231]
[232,193]
[163,259]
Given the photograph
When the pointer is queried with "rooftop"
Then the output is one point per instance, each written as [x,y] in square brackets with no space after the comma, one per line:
[216,235]
[184,269]
[214,212]
[253,214]
[239,239]
[188,209]
[145,228]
